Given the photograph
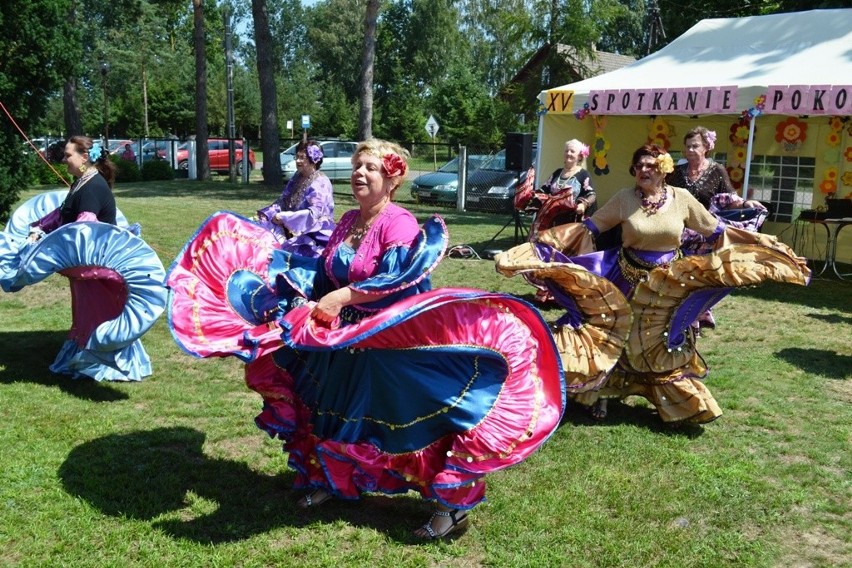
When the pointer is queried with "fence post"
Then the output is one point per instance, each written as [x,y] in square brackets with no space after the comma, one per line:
[460,193]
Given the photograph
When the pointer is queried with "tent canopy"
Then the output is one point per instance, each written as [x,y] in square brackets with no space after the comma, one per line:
[801,61]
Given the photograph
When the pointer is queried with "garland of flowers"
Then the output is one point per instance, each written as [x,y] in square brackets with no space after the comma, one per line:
[601,147]
[831,174]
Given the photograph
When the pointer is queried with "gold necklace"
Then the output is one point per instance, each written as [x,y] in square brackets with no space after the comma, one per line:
[357,233]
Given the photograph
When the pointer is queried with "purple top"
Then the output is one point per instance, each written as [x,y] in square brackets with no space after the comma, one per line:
[304,215]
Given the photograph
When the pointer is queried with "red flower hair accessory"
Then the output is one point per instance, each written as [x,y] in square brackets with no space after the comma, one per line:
[394,165]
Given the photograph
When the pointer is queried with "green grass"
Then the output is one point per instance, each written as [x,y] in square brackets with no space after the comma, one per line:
[172,472]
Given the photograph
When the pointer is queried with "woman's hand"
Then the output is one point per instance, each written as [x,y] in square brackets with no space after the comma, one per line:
[328,308]
[278,219]
[581,208]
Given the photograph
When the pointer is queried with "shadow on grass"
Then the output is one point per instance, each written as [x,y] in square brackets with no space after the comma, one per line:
[818,362]
[621,414]
[819,294]
[832,318]
[27,357]
[164,472]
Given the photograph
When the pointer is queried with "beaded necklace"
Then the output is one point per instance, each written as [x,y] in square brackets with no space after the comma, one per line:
[651,207]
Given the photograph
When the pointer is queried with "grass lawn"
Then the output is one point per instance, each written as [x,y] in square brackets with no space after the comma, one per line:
[172,472]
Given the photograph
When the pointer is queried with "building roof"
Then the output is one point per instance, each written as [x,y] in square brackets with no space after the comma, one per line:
[583,64]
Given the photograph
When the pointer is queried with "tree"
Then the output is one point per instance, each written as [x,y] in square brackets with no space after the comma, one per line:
[33,66]
[202,160]
[268,93]
[368,58]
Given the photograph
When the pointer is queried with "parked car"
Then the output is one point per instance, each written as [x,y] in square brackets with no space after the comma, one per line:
[442,185]
[117,146]
[152,150]
[336,161]
[217,151]
[491,188]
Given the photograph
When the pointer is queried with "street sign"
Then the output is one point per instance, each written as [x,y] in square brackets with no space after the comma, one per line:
[432,126]
[306,121]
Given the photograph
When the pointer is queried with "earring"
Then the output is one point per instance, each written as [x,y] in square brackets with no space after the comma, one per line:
[83,168]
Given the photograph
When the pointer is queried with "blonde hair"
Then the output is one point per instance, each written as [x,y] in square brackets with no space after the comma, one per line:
[380,148]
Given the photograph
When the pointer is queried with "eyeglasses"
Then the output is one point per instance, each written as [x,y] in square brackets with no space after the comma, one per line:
[645,166]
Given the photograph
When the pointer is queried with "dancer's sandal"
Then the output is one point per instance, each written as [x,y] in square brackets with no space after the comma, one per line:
[315,498]
[459,521]
[599,410]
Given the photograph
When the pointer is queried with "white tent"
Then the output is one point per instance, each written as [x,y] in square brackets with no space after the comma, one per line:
[800,62]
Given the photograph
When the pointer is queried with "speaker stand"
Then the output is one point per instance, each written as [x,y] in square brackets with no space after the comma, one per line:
[521,231]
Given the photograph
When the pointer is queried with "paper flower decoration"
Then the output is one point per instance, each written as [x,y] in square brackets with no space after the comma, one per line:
[791,131]
[848,154]
[738,134]
[828,187]
[847,179]
[833,138]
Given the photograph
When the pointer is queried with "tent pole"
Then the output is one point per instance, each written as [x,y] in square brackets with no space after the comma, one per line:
[749,147]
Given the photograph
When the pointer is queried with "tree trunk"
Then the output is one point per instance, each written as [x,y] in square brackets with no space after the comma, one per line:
[202,161]
[70,103]
[368,59]
[270,141]
[71,108]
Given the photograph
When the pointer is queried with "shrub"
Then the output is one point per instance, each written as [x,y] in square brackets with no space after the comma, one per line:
[127,170]
[157,170]
[44,175]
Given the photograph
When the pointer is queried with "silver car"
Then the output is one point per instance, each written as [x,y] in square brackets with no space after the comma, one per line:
[336,161]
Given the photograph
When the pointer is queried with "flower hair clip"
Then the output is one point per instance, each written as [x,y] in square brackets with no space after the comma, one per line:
[314,153]
[711,139]
[394,165]
[584,150]
[665,163]
[95,152]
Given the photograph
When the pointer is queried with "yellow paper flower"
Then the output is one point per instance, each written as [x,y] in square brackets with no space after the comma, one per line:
[738,156]
[736,174]
[831,174]
[836,123]
[847,179]
[833,138]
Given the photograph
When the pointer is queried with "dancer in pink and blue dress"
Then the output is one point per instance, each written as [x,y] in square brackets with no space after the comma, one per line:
[626,329]
[374,381]
[302,218]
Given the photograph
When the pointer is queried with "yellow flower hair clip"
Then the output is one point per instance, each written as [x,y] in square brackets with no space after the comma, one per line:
[665,163]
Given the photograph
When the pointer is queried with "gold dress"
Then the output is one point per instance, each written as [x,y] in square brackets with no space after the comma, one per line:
[627,330]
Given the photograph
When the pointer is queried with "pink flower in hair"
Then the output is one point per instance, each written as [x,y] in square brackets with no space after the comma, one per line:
[394,165]
[711,139]
[584,150]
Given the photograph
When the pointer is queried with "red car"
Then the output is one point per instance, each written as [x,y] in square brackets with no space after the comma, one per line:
[218,154]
